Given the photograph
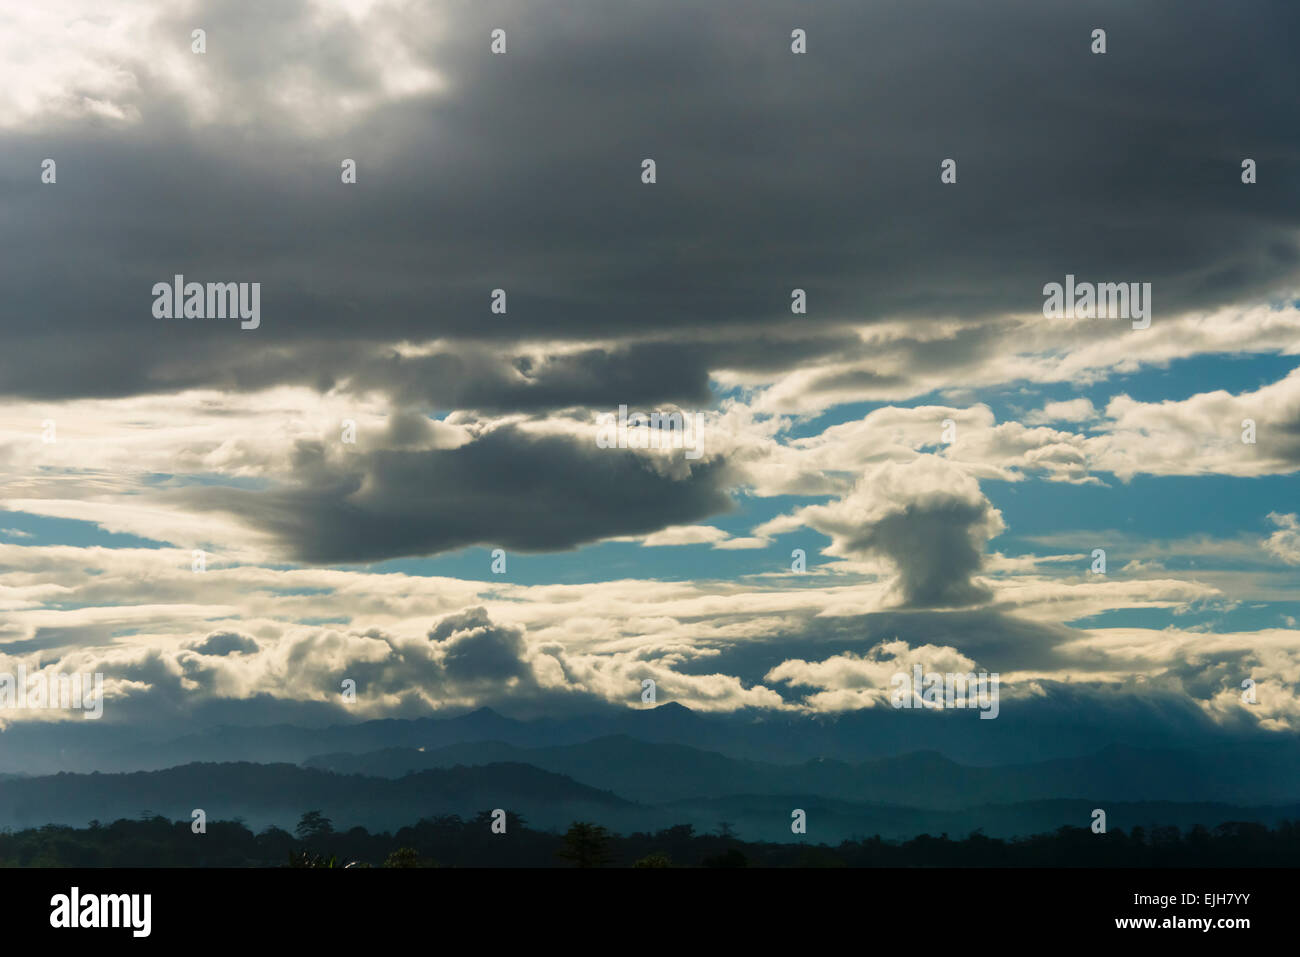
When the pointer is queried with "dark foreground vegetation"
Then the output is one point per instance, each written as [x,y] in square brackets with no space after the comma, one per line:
[153,841]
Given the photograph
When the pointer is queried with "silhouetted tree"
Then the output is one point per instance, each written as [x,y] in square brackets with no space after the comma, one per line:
[586,845]
[157,842]
[407,857]
[728,858]
[313,825]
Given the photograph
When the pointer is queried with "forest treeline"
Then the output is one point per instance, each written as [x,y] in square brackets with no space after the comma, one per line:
[450,841]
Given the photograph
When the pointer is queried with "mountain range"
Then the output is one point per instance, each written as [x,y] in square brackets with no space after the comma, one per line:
[635,770]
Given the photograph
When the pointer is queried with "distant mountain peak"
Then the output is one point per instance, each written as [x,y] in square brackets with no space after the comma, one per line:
[671,707]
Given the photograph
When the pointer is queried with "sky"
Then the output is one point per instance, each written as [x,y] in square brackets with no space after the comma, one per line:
[946,456]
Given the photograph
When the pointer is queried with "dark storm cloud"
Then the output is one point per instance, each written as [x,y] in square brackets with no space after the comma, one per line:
[466,654]
[474,649]
[996,641]
[818,171]
[470,618]
[506,489]
[934,548]
[930,521]
[593,377]
[225,643]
